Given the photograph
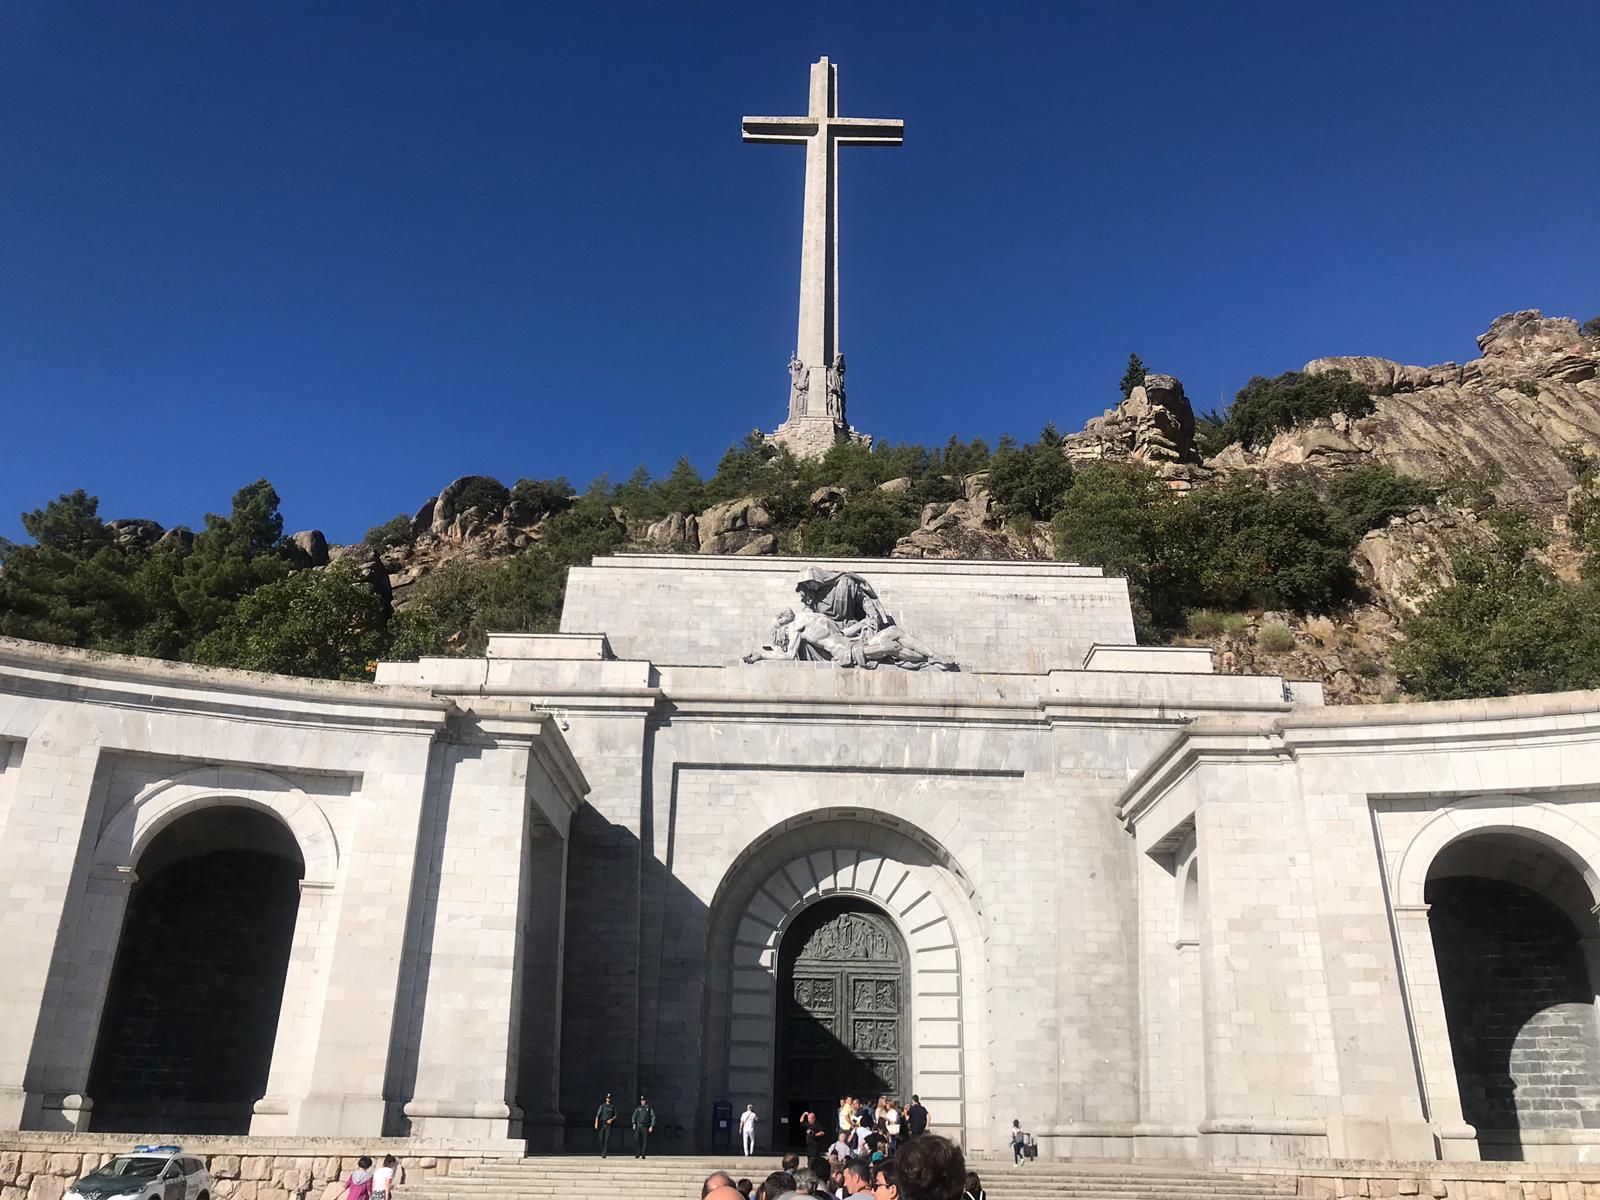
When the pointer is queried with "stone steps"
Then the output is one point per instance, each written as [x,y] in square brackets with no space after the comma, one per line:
[583,1175]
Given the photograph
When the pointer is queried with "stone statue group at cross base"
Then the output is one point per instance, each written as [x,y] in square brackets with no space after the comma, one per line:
[841,621]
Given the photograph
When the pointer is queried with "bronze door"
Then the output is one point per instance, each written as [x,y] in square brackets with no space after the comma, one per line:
[843,1024]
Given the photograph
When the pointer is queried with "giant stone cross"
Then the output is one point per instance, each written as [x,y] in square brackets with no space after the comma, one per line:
[816,393]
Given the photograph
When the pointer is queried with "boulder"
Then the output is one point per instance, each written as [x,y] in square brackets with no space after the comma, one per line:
[313,545]
[673,531]
[896,487]
[135,533]
[179,537]
[826,501]
[1379,376]
[1155,424]
[423,521]
[1531,334]
[734,526]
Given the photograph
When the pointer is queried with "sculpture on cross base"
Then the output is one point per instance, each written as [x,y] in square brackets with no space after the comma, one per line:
[799,385]
[836,389]
[841,621]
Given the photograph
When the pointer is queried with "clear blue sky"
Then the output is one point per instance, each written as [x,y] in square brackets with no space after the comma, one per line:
[363,248]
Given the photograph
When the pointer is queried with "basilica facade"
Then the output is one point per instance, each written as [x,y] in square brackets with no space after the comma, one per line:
[770,831]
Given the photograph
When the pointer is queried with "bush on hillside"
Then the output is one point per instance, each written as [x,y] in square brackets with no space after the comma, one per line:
[1591,328]
[396,531]
[1275,638]
[535,498]
[484,493]
[1031,479]
[865,527]
[1367,497]
[1265,407]
[1490,633]
[323,622]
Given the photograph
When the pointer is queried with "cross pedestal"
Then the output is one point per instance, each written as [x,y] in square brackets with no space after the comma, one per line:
[817,419]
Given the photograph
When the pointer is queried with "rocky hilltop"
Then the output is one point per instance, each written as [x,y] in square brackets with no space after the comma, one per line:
[1504,424]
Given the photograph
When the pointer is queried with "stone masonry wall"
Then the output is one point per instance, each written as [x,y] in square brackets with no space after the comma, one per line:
[37,1166]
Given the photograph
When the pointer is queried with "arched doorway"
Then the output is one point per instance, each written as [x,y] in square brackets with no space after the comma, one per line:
[1512,932]
[191,1015]
[844,1002]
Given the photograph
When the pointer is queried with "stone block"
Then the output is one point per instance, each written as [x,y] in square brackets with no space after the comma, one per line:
[10,1164]
[67,1166]
[225,1166]
[255,1169]
[33,1163]
[46,1187]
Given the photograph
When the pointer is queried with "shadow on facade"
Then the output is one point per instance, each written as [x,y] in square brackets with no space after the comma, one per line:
[1517,992]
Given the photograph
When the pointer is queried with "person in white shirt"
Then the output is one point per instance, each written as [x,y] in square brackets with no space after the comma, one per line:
[383,1178]
[747,1129]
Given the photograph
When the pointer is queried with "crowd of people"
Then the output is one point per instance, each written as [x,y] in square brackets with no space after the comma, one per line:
[923,1166]
[880,1150]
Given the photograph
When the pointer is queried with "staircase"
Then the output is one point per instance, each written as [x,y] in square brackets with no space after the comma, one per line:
[670,1178]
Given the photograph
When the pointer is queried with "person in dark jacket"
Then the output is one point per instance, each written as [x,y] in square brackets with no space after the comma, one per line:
[644,1124]
[605,1118]
[916,1118]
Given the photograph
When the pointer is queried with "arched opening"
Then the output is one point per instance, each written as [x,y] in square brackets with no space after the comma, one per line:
[191,1015]
[844,1009]
[1512,930]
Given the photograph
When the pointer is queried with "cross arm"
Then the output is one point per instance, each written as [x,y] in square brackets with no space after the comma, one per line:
[866,131]
[777,129]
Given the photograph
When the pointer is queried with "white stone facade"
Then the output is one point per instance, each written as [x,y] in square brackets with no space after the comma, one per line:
[1151,911]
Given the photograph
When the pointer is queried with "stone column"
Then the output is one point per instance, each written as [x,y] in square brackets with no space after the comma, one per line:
[295,1043]
[1458,1141]
[41,846]
[493,943]
[79,984]
[543,927]
[343,1092]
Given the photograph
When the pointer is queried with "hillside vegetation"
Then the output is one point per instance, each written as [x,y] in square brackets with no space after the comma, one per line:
[1393,531]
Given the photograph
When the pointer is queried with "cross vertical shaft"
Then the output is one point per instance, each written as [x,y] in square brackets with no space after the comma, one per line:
[822,131]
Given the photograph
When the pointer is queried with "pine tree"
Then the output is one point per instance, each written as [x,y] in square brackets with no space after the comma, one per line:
[1133,377]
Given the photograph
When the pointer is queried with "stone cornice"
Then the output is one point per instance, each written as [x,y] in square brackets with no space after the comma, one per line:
[127,681]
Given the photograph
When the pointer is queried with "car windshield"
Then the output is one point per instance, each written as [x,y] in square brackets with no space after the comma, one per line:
[134,1165]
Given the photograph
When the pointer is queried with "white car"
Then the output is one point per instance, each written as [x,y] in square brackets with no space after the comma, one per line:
[147,1173]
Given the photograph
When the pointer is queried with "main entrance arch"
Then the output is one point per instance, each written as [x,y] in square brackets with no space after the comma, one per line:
[844,998]
[882,866]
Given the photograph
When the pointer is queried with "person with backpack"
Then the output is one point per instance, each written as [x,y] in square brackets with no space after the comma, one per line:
[644,1124]
[1019,1144]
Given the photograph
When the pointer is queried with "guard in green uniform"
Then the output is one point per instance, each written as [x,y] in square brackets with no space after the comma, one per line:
[604,1118]
[644,1124]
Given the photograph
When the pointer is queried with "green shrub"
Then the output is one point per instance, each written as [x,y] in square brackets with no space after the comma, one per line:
[1367,497]
[326,623]
[541,497]
[1205,623]
[1275,638]
[396,531]
[865,527]
[1031,479]
[1506,626]
[484,493]
[1265,407]
[1258,549]
[1591,328]
[1527,387]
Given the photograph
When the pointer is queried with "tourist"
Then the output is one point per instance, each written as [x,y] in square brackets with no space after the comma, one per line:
[1019,1144]
[857,1179]
[789,1163]
[974,1187]
[779,1183]
[891,1126]
[806,1183]
[359,1184]
[644,1124]
[816,1138]
[383,1178]
[715,1180]
[840,1151]
[604,1118]
[847,1108]
[884,1186]
[930,1168]
[725,1193]
[747,1129]
[744,1188]
[916,1118]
